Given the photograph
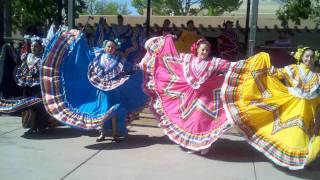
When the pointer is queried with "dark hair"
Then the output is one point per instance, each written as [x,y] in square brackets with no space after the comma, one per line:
[120,16]
[167,20]
[116,42]
[194,47]
[190,21]
[227,22]
[308,49]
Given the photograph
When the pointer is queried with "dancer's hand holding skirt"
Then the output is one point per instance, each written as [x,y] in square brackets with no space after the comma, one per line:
[275,109]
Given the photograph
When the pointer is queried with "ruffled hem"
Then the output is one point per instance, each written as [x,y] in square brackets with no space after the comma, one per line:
[54,98]
[186,139]
[230,96]
[173,131]
[18,105]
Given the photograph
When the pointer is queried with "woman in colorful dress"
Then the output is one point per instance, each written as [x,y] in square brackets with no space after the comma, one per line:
[28,71]
[90,90]
[277,109]
[185,92]
[108,72]
[27,78]
[187,37]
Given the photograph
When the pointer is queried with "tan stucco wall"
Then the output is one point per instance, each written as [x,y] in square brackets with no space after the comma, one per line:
[214,21]
[211,27]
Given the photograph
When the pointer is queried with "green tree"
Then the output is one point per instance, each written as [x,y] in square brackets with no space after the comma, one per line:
[297,10]
[106,8]
[91,7]
[37,13]
[188,7]
[219,7]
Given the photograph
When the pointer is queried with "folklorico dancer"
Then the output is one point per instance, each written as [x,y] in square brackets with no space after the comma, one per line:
[85,88]
[29,103]
[277,109]
[185,92]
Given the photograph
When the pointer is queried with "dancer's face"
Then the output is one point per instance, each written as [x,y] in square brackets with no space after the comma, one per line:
[308,58]
[110,47]
[203,51]
[35,48]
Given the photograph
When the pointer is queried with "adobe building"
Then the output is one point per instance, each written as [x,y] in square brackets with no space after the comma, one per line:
[308,33]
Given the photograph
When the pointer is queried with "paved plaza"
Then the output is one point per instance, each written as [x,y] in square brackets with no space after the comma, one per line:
[147,154]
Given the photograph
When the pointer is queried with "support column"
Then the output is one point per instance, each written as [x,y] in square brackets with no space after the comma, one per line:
[247,30]
[59,15]
[253,27]
[1,24]
[71,13]
[148,17]
[7,18]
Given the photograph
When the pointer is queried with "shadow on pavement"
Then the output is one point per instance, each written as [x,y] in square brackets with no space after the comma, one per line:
[231,151]
[61,133]
[241,151]
[312,172]
[144,125]
[131,142]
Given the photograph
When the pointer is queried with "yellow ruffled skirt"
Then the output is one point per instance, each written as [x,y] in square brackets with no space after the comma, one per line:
[275,122]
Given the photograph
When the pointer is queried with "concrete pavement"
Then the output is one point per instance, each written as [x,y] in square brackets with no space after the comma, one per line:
[65,153]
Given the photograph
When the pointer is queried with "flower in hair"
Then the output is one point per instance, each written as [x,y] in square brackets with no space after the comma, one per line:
[196,44]
[117,42]
[298,54]
[36,39]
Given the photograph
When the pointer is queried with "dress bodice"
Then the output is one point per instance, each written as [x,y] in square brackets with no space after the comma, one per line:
[196,71]
[32,60]
[300,80]
[27,73]
[107,71]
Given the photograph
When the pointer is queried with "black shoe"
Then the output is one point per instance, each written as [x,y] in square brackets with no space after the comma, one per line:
[31,131]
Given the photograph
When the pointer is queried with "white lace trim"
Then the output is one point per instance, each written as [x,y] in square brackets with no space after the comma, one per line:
[303,95]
